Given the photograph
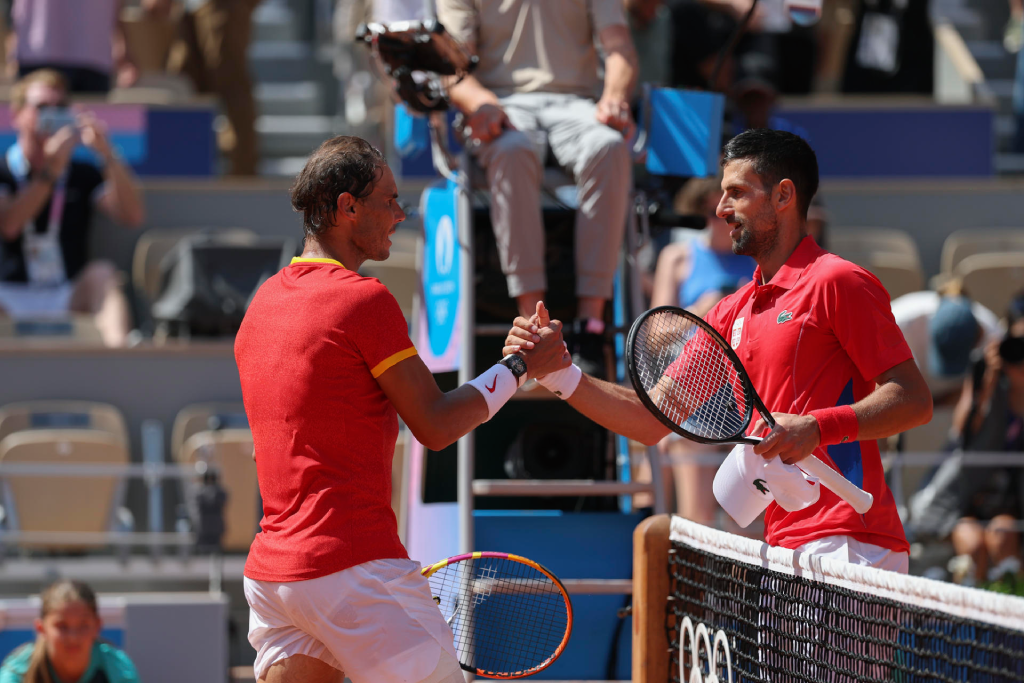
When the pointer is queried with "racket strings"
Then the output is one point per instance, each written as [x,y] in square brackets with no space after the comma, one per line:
[508,618]
[689,377]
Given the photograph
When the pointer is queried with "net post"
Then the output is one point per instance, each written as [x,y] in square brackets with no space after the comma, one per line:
[650,597]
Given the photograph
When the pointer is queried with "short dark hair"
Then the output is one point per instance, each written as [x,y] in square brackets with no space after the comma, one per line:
[777,155]
[342,164]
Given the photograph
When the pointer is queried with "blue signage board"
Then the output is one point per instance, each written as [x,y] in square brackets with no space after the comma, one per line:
[440,324]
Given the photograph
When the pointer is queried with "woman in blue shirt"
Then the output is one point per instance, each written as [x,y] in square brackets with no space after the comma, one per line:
[67,648]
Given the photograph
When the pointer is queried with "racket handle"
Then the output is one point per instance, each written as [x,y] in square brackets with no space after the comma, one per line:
[858,499]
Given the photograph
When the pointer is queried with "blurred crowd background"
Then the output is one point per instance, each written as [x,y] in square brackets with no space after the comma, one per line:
[149,146]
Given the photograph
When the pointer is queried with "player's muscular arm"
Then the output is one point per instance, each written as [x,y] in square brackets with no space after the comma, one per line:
[612,406]
[437,419]
[617,408]
[901,401]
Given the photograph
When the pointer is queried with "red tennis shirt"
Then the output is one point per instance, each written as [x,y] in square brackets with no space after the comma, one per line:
[813,337]
[311,346]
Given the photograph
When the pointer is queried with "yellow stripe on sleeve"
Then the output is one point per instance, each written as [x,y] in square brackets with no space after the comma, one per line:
[392,360]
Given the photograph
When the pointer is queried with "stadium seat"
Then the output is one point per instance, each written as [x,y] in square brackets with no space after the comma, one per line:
[963,243]
[993,280]
[928,438]
[50,415]
[891,255]
[71,329]
[898,274]
[55,503]
[230,453]
[203,417]
[843,241]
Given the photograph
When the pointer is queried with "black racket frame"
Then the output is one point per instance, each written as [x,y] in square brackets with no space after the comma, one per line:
[750,394]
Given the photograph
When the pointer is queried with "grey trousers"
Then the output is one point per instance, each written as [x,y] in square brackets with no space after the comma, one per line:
[598,159]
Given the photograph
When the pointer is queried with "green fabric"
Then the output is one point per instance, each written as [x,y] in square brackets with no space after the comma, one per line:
[105,657]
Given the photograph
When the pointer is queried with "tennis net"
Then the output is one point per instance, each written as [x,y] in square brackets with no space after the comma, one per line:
[753,612]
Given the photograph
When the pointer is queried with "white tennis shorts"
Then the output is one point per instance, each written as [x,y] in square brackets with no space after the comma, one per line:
[376,621]
[849,549]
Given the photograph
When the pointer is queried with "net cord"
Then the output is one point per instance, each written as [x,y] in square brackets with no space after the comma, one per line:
[968,603]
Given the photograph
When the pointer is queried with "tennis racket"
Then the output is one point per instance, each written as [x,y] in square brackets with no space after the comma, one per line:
[510,616]
[690,379]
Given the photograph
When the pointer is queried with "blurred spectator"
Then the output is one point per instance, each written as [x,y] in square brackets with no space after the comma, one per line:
[68,645]
[695,275]
[772,45]
[892,49]
[212,53]
[537,86]
[46,205]
[85,45]
[990,417]
[942,329]
[650,26]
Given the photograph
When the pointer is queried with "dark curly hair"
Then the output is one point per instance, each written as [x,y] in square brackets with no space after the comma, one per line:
[777,155]
[342,164]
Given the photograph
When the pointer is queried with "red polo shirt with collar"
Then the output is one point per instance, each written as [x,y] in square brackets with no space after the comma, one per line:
[314,341]
[813,337]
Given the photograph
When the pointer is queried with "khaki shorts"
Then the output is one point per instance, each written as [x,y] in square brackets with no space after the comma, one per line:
[376,621]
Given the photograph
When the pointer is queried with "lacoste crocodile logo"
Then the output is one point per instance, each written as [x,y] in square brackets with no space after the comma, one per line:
[784,317]
[759,484]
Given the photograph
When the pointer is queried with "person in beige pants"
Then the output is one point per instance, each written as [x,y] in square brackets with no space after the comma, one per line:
[211,52]
[538,86]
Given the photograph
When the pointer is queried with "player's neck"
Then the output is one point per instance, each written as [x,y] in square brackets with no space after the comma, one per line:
[787,243]
[346,254]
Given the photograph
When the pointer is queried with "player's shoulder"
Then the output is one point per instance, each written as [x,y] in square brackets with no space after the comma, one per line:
[367,290]
[334,275]
[830,270]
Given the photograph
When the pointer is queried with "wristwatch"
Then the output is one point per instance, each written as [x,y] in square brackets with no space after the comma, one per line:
[517,365]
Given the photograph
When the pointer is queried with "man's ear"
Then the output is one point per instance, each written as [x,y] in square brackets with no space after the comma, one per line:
[346,204]
[786,194]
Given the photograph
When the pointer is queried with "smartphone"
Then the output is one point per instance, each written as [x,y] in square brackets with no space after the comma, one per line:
[52,119]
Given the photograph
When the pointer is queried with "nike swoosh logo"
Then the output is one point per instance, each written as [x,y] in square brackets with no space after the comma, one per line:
[490,389]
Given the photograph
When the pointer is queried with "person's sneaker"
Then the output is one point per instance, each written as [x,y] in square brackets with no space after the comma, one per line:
[586,343]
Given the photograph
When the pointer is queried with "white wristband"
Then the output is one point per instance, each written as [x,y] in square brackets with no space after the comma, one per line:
[497,384]
[562,383]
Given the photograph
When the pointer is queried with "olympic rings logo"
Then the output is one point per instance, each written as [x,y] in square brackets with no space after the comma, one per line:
[699,635]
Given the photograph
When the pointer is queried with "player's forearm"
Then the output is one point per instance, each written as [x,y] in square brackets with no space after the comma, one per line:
[469,95]
[449,417]
[893,407]
[617,408]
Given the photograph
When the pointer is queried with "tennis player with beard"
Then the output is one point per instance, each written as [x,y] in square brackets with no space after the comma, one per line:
[327,368]
[817,337]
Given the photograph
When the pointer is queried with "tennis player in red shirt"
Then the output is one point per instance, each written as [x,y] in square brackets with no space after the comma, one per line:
[327,367]
[818,339]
